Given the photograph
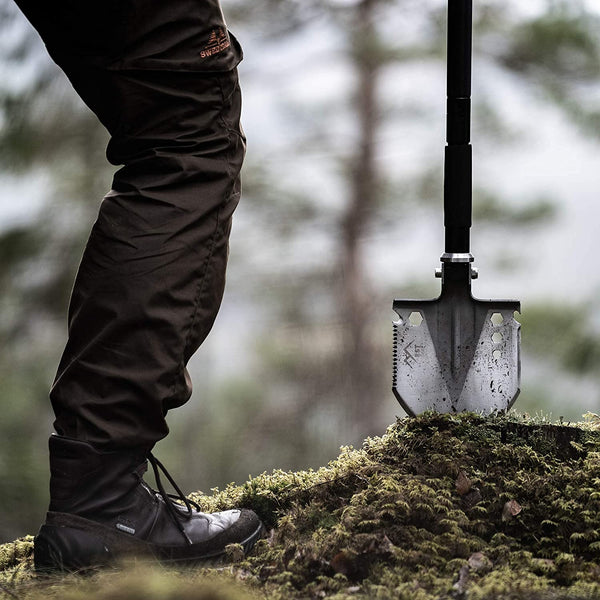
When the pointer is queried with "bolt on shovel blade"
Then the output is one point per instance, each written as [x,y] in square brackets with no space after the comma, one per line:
[456,353]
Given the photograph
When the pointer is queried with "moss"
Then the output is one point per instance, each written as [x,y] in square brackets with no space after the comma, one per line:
[16,563]
[440,506]
[135,582]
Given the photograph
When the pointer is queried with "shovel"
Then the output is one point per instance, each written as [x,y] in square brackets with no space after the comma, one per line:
[457,353]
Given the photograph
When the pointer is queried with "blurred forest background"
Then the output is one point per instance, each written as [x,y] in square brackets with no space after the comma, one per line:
[341,212]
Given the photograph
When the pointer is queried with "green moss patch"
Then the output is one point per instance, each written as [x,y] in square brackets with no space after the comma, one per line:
[439,507]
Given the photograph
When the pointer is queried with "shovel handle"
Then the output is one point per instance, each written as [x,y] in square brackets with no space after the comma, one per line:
[458,155]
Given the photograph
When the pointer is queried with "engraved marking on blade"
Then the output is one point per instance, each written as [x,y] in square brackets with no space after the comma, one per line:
[410,358]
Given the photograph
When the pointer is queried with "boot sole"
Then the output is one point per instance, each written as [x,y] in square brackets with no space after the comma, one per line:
[67,548]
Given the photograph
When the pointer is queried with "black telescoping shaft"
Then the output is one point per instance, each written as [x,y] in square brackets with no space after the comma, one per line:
[458,155]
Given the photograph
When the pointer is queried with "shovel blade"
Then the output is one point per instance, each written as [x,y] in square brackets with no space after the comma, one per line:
[456,354]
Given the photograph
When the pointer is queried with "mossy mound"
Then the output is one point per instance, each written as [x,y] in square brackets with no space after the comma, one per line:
[439,507]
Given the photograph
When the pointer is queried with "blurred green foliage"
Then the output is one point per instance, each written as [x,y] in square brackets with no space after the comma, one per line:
[561,43]
[565,335]
[560,51]
[488,208]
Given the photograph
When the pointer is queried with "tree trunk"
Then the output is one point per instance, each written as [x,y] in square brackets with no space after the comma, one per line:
[357,298]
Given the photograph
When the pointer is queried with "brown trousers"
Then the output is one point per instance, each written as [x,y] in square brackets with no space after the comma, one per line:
[161,77]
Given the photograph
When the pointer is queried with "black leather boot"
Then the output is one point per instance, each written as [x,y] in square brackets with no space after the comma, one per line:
[101,510]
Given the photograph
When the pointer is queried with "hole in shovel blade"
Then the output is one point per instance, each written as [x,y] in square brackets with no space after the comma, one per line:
[415,319]
[497,319]
[496,354]
[497,338]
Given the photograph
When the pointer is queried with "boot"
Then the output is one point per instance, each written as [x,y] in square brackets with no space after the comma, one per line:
[101,510]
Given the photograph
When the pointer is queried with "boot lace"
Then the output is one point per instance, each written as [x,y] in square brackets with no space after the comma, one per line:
[173,508]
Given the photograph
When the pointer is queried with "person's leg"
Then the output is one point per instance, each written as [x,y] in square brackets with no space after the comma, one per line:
[152,276]
[161,77]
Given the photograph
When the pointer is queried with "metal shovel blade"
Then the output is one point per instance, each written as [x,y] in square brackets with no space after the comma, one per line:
[456,353]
